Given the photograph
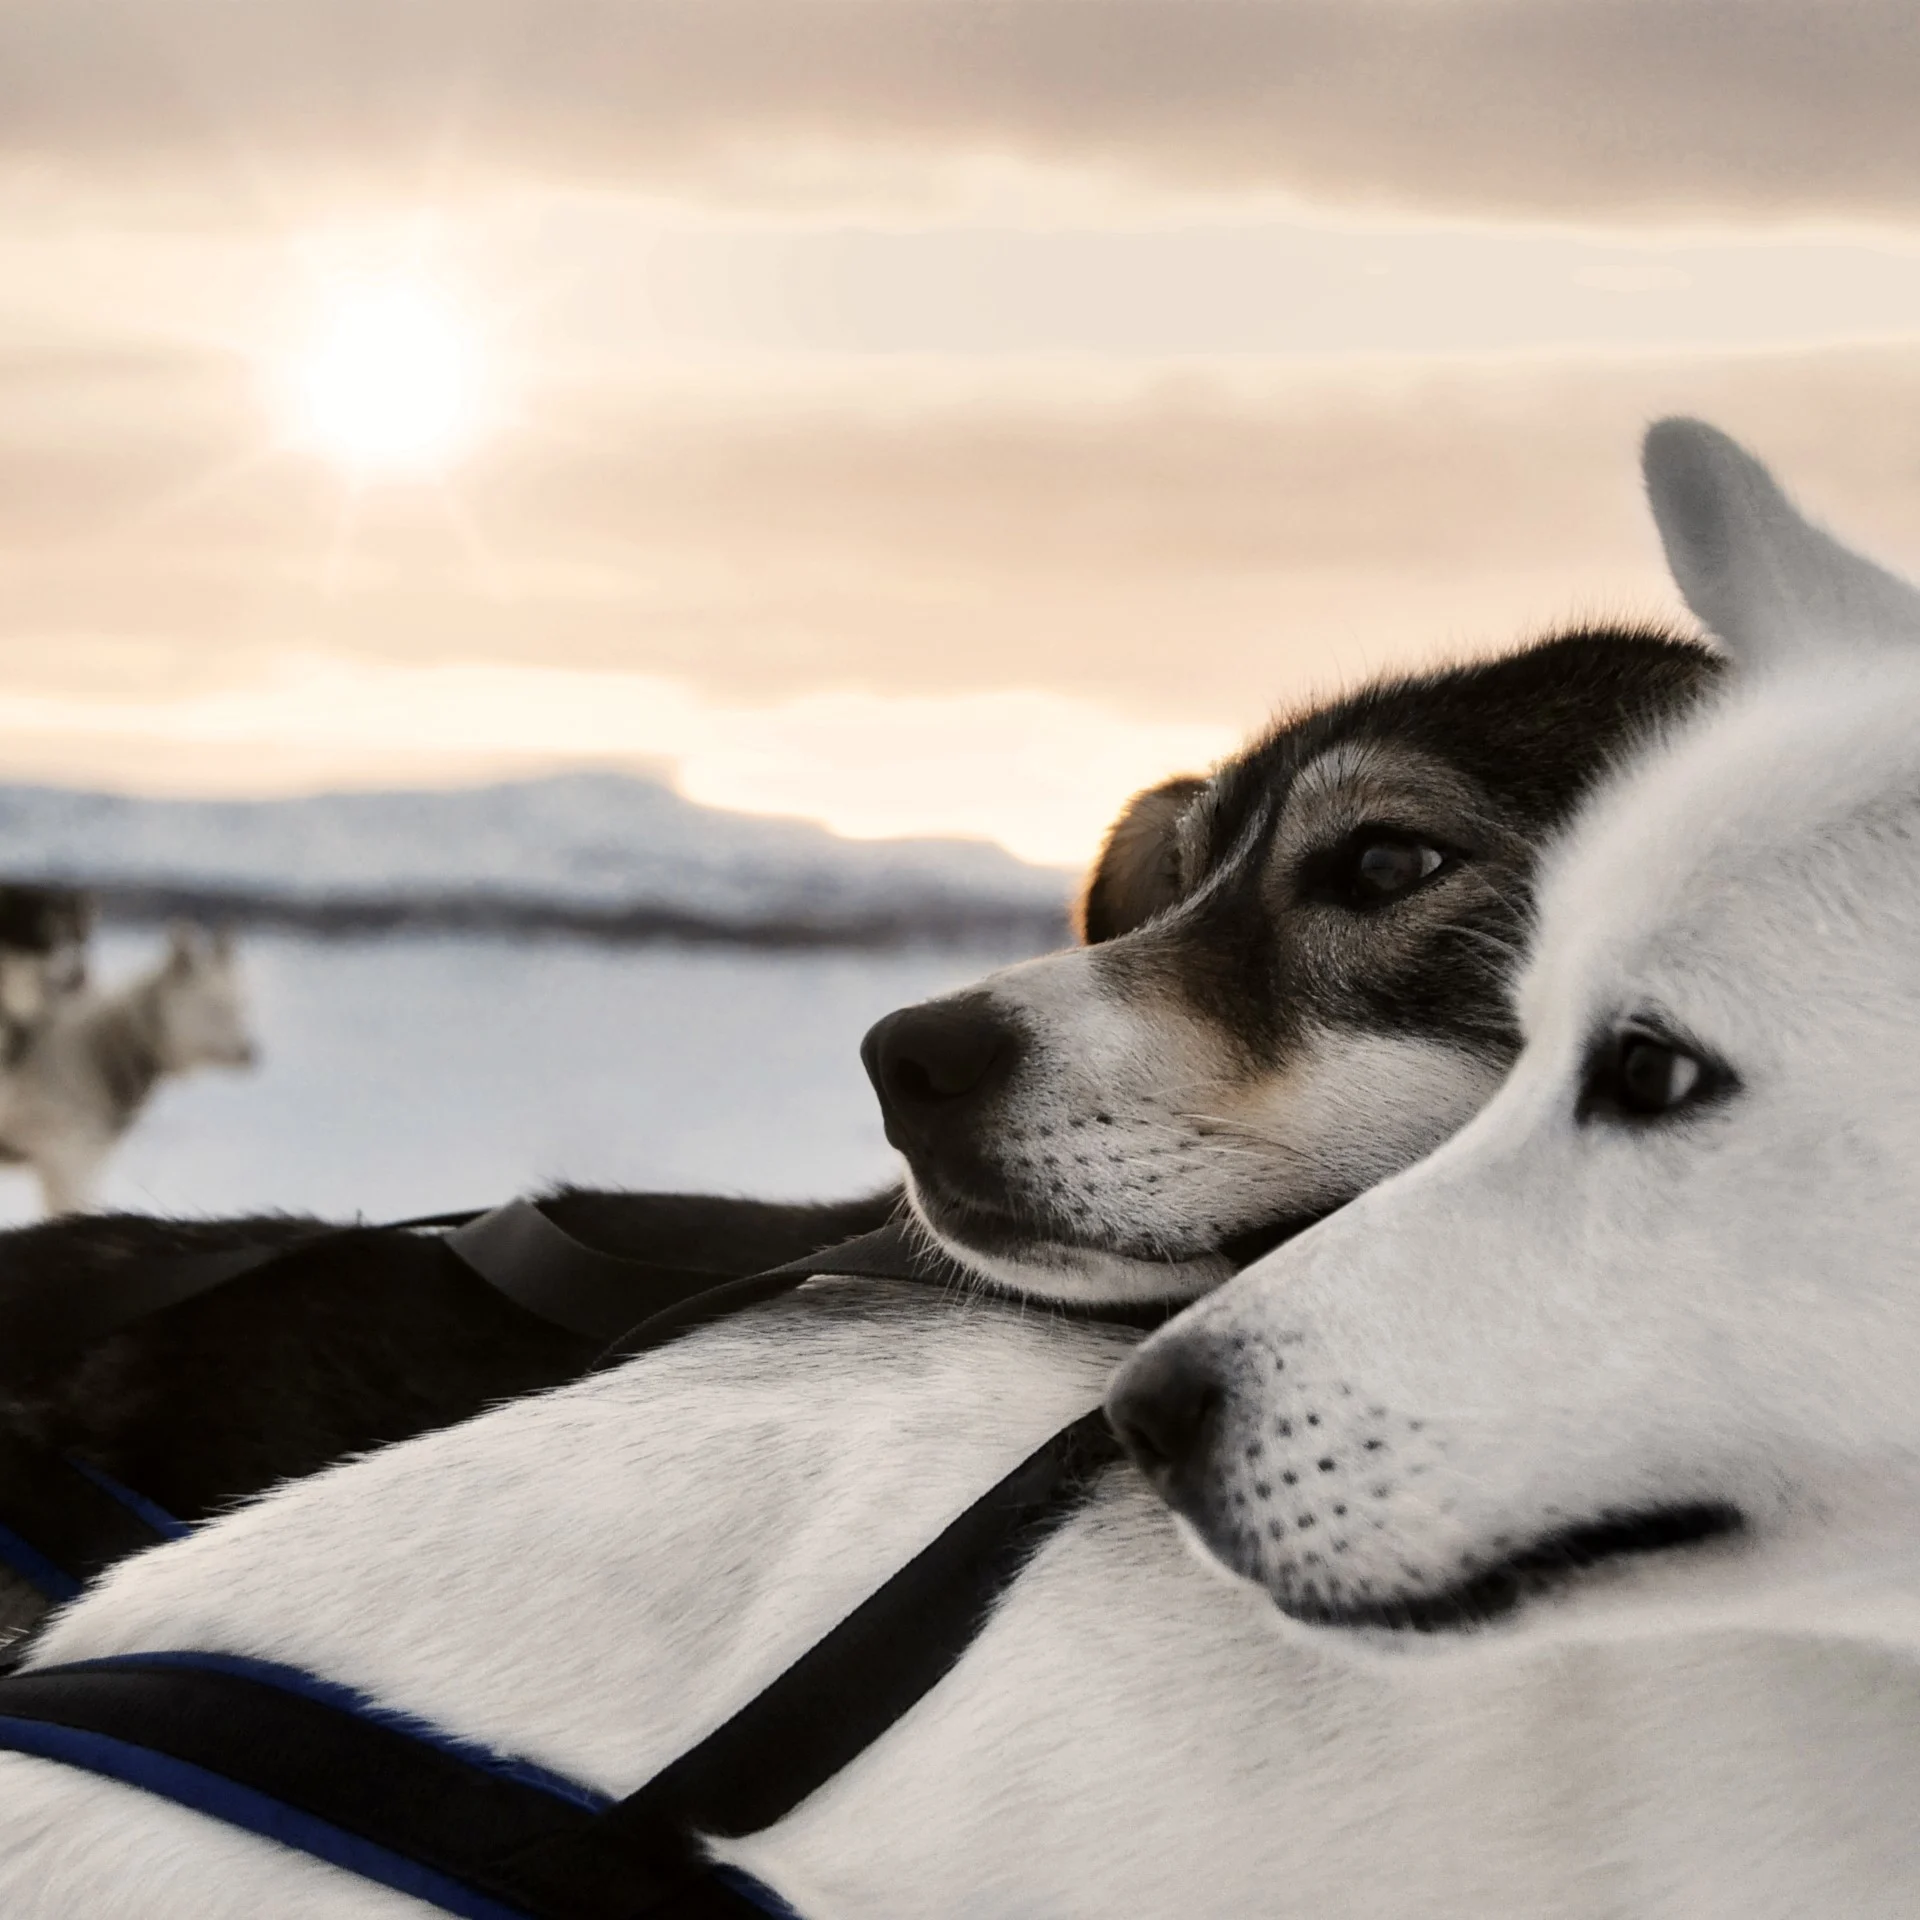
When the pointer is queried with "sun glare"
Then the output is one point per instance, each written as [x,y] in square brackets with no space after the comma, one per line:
[389,384]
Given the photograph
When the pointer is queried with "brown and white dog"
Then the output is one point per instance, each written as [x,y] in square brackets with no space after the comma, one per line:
[1294,981]
[1294,985]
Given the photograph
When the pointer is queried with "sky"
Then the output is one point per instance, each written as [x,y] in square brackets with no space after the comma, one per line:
[923,416]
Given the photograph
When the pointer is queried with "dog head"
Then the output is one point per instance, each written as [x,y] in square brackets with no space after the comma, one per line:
[1294,982]
[1639,1344]
[201,1003]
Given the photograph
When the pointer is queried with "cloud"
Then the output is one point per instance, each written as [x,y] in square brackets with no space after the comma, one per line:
[1619,109]
[1183,544]
[897,598]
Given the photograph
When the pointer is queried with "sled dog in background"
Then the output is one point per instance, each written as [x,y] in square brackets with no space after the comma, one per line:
[1295,981]
[591,1579]
[1637,1349]
[85,1070]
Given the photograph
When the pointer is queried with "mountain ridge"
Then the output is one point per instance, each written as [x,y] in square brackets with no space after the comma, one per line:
[596,852]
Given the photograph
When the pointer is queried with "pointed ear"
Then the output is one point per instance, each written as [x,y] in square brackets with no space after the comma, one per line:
[1763,579]
[183,947]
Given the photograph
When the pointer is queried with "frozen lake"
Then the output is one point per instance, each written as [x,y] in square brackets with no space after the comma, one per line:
[416,1074]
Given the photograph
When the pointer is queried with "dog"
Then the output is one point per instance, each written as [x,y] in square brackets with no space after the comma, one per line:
[361,1340]
[591,1578]
[1636,1349]
[1294,981]
[88,1067]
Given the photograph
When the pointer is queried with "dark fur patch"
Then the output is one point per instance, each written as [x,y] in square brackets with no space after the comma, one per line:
[1526,736]
[367,1337]
[36,919]
[1215,902]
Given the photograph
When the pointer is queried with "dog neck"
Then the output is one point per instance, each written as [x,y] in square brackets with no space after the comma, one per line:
[127,1040]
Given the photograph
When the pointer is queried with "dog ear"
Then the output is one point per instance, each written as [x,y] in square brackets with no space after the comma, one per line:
[183,947]
[1762,578]
[1134,877]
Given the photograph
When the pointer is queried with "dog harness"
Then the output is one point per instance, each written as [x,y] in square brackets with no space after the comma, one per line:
[63,1521]
[297,1759]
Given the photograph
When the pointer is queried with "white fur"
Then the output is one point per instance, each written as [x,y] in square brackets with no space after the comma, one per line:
[1167,1146]
[1554,1319]
[1778,590]
[596,1577]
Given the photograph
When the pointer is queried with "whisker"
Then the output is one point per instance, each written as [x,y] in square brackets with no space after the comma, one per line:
[1246,1132]
[1505,948]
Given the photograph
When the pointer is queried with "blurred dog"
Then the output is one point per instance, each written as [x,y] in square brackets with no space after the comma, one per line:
[88,1066]
[1294,982]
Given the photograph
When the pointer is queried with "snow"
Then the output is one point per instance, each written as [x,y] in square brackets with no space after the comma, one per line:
[415,1073]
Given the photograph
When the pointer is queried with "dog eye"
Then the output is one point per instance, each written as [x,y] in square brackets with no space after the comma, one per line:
[1644,1076]
[1371,868]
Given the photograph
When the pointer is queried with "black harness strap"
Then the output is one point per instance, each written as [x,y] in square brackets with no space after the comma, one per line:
[892,1252]
[515,1248]
[295,1758]
[540,1266]
[844,1692]
[427,1801]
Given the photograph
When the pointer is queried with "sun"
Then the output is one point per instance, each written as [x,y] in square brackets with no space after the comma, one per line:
[390,382]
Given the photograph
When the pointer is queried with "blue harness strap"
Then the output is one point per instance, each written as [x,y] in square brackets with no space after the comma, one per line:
[157,1518]
[301,1761]
[275,1752]
[62,1521]
[306,1763]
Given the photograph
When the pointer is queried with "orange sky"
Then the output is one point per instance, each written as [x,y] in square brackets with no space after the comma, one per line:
[923,415]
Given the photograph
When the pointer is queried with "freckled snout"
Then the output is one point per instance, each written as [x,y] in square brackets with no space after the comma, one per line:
[1165,1406]
[935,1065]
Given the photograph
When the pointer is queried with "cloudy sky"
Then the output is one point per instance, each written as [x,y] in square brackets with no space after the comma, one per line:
[922,415]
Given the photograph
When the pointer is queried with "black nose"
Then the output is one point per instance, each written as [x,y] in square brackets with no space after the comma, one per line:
[937,1061]
[1164,1404]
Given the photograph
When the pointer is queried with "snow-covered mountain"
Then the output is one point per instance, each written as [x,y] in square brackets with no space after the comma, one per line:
[600,852]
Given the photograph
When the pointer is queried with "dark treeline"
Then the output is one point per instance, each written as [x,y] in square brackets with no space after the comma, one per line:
[919,923]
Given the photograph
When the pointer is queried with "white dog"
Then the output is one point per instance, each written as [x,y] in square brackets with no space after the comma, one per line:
[1664,1292]
[593,1579]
